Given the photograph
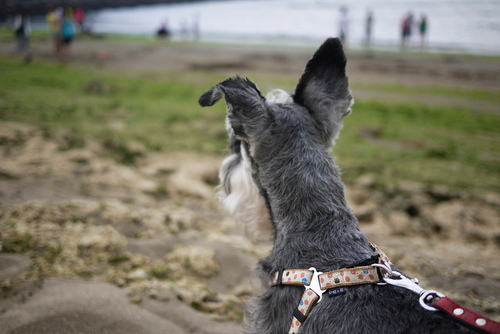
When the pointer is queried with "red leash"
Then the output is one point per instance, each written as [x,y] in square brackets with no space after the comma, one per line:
[466,316]
[435,301]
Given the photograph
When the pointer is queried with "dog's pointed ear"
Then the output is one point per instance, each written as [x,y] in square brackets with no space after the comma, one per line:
[323,89]
[245,104]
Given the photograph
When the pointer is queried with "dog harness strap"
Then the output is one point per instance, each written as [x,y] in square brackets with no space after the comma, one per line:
[365,274]
[383,256]
[303,277]
[299,277]
[349,276]
[466,316]
[309,298]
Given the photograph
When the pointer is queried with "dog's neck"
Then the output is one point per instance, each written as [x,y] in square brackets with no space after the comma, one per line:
[314,225]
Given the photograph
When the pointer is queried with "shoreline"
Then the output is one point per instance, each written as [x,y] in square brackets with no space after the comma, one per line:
[40,28]
[312,42]
[143,53]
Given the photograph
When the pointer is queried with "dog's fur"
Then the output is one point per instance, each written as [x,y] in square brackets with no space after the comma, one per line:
[280,171]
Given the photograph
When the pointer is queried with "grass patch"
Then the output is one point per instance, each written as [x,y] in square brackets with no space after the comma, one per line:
[439,145]
[395,141]
[424,90]
[115,110]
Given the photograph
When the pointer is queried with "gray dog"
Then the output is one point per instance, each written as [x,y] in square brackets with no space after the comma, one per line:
[280,172]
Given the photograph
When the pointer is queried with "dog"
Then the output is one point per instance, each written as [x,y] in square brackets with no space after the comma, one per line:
[281,177]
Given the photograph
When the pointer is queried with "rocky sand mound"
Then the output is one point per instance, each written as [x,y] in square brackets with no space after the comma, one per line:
[91,245]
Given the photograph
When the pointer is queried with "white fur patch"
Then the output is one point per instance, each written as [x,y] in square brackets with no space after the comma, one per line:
[278,96]
[245,202]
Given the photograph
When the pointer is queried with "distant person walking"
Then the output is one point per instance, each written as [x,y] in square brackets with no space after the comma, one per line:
[22,30]
[344,25]
[368,27]
[422,29]
[406,30]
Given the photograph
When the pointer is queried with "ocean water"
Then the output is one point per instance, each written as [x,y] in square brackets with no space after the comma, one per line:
[471,26]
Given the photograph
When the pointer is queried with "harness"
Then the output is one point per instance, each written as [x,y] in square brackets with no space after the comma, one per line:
[374,270]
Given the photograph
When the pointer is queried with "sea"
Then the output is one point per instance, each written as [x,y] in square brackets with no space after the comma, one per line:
[465,26]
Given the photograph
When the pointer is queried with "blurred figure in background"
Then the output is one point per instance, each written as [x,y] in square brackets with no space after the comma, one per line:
[369,27]
[163,32]
[184,29]
[406,30]
[344,25]
[22,30]
[54,18]
[80,18]
[68,31]
[196,27]
[422,28]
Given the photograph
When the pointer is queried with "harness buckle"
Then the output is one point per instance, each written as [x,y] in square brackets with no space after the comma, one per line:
[315,284]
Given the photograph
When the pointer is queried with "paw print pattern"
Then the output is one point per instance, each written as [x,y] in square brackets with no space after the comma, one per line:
[343,277]
[294,277]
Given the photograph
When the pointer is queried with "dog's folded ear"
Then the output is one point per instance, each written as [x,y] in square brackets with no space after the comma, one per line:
[323,88]
[236,91]
[211,96]
[245,103]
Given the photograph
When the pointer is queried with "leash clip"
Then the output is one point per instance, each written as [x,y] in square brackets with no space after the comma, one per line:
[393,277]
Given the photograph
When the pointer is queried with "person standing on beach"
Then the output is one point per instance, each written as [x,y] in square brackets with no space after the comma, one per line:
[68,31]
[80,18]
[422,28]
[184,31]
[22,30]
[344,25]
[369,27]
[53,19]
[196,27]
[406,29]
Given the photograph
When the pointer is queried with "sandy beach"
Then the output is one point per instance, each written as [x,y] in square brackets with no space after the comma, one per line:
[126,256]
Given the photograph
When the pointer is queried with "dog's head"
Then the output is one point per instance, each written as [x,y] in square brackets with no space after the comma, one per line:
[267,134]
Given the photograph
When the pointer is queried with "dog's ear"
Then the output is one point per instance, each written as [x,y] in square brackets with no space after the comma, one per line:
[323,89]
[245,104]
